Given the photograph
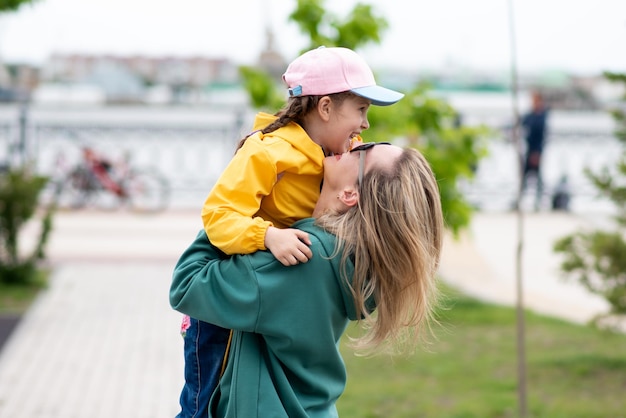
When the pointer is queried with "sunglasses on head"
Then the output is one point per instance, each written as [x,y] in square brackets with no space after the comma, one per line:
[362,148]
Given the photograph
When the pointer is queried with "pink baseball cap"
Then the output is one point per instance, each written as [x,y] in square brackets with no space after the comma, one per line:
[324,71]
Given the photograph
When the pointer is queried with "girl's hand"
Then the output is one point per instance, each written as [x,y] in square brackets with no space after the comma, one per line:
[289,246]
[355,141]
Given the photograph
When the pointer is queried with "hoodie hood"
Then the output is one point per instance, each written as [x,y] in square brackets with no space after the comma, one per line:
[319,233]
[292,133]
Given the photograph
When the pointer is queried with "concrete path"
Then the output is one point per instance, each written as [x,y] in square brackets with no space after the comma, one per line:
[482,263]
[102,341]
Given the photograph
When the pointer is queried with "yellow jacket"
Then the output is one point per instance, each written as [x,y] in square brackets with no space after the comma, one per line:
[274,179]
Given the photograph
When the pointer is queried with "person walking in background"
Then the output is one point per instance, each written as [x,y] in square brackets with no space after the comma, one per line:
[273,181]
[376,238]
[534,124]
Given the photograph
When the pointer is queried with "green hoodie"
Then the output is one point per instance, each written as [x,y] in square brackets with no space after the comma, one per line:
[284,360]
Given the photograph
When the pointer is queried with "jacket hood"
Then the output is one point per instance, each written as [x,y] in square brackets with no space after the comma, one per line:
[292,133]
[319,233]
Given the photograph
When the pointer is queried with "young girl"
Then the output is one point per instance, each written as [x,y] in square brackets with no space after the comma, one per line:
[274,180]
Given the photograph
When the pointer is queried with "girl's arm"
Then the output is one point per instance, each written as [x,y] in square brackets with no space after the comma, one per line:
[228,212]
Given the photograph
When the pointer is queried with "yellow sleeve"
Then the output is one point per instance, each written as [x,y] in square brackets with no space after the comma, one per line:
[228,212]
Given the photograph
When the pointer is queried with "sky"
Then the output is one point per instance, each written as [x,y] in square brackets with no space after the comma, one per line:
[583,37]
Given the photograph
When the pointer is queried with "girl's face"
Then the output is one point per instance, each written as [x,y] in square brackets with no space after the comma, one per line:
[345,122]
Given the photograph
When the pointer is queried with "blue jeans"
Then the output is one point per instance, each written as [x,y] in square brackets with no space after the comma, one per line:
[205,346]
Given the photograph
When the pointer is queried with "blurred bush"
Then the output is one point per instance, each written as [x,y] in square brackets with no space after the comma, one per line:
[597,259]
[19,193]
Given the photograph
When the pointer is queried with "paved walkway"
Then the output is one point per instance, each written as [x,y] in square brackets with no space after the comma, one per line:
[102,340]
[482,263]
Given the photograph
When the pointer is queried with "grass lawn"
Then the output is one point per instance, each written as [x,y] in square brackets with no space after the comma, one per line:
[470,371]
[16,298]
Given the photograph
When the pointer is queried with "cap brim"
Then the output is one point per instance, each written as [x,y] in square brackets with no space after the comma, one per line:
[380,96]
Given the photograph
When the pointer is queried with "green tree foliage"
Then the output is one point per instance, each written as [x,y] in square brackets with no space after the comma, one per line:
[18,201]
[262,89]
[597,259]
[453,151]
[19,193]
[360,27]
[12,5]
[420,119]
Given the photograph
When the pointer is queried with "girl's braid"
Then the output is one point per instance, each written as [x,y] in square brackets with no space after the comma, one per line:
[295,110]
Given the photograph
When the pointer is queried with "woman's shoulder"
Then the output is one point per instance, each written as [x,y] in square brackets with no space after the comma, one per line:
[309,225]
[318,235]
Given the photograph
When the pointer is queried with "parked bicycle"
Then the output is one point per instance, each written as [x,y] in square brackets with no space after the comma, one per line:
[98,182]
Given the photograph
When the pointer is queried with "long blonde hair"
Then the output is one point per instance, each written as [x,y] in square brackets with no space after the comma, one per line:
[395,236]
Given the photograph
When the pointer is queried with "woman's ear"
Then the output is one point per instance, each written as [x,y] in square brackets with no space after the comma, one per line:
[349,196]
[323,108]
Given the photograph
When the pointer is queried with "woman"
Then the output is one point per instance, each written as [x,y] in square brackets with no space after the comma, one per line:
[376,237]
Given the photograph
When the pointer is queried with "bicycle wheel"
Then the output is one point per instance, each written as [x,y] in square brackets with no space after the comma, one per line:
[147,191]
[77,190]
[49,196]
